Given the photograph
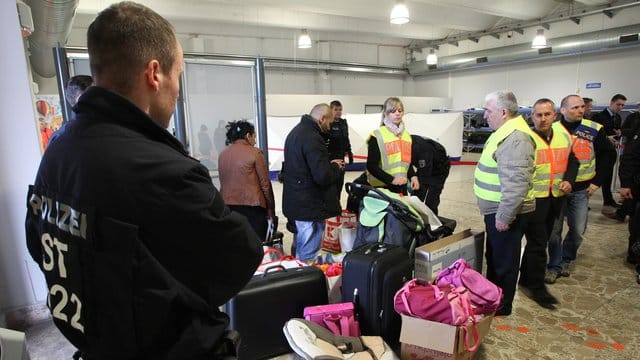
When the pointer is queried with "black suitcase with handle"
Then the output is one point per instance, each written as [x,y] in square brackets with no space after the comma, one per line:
[258,312]
[377,271]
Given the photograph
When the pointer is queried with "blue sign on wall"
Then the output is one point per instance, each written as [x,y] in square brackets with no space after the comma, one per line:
[594,85]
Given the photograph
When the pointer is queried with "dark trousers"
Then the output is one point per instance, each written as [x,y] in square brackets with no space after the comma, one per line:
[340,184]
[430,194]
[503,255]
[607,197]
[634,226]
[534,259]
[257,217]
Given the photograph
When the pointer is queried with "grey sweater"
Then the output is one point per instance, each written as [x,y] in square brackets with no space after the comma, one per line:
[515,158]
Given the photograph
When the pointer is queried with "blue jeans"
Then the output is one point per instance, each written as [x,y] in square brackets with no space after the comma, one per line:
[562,253]
[503,254]
[308,239]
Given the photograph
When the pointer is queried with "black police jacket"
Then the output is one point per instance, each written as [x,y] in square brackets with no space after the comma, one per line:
[309,192]
[136,245]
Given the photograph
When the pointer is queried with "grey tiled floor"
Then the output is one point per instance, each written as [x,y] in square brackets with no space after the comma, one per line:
[597,317]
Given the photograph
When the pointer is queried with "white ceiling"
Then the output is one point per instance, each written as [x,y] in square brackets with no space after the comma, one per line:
[430,19]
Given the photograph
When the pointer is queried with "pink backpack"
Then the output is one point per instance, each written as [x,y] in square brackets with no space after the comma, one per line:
[484,295]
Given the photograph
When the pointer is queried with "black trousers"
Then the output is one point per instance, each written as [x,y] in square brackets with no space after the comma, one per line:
[257,217]
[607,197]
[541,222]
[503,255]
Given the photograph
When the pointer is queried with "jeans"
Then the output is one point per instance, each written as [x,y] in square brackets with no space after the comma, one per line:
[503,254]
[562,253]
[308,239]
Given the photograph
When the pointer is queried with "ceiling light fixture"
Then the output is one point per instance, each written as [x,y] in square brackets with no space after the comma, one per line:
[432,58]
[539,42]
[399,14]
[304,40]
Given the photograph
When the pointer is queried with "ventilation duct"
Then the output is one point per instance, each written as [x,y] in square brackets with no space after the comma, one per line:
[52,22]
[591,42]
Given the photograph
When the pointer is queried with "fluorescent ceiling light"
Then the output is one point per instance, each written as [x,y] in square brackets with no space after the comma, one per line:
[304,40]
[539,42]
[399,14]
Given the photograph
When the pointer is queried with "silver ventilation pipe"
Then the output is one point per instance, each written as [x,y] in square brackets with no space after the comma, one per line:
[592,42]
[52,22]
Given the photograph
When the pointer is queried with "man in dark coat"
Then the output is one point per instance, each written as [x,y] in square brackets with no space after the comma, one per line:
[309,195]
[612,122]
[338,140]
[629,172]
[136,245]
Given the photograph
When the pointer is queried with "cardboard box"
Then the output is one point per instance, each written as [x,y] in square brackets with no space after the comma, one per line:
[423,339]
[435,256]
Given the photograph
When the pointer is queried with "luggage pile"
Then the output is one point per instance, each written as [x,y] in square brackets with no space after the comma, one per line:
[369,304]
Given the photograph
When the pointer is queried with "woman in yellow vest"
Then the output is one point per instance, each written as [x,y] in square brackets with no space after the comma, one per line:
[389,151]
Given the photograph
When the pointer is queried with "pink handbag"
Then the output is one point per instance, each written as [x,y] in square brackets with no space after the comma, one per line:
[485,296]
[445,304]
[338,318]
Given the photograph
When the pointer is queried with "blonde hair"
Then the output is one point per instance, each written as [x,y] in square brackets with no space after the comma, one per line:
[390,105]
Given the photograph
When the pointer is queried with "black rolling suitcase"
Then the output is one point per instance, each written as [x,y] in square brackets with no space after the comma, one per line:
[378,271]
[258,312]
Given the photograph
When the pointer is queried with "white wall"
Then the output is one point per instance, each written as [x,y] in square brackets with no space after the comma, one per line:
[21,282]
[617,71]
[289,105]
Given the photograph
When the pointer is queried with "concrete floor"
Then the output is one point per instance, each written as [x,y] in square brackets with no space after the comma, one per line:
[598,313]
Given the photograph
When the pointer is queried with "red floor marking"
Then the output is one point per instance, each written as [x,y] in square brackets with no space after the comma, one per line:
[596,345]
[593,332]
[523,329]
[618,346]
[504,327]
[571,327]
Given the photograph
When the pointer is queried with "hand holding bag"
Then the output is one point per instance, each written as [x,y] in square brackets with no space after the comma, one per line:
[338,318]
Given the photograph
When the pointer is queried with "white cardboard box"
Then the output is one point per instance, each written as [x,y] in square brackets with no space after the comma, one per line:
[435,256]
[424,339]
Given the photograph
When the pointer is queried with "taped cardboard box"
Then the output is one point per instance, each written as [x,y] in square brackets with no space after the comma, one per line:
[435,256]
[424,339]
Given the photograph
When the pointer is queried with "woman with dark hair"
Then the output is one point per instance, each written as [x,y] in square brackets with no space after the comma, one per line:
[244,177]
[389,152]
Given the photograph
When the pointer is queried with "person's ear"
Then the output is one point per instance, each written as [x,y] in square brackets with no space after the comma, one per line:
[152,74]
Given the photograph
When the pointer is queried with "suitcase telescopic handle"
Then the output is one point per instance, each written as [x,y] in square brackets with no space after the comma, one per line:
[280,267]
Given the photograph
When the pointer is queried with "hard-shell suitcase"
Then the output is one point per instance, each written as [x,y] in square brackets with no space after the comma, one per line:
[258,312]
[377,271]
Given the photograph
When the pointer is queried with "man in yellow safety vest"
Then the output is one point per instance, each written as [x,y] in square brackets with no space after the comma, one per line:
[503,186]
[555,173]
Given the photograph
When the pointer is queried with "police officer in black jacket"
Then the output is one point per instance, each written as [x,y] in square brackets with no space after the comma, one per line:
[136,245]
[337,139]
[629,172]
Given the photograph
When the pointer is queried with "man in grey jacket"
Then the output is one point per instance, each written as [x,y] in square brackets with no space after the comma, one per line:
[503,186]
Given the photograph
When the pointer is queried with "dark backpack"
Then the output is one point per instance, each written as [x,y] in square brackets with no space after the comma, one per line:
[441,163]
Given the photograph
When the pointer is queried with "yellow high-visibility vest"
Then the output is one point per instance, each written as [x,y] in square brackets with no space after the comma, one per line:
[395,154]
[551,162]
[486,184]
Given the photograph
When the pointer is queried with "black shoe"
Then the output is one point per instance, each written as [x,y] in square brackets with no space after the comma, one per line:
[632,260]
[613,216]
[613,205]
[504,311]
